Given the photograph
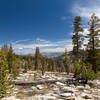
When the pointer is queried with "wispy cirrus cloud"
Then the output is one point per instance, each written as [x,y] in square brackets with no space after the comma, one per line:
[44,45]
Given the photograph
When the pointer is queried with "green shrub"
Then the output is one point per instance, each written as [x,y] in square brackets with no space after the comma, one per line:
[25,67]
[88,74]
[77,69]
[83,72]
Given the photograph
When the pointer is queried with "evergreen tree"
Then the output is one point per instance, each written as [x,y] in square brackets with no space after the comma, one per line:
[67,62]
[49,65]
[12,62]
[77,37]
[30,67]
[53,65]
[4,49]
[25,67]
[62,67]
[94,42]
[44,65]
[37,59]
[5,81]
[18,64]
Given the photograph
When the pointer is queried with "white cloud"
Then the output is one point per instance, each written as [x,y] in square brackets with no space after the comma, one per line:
[18,41]
[87,10]
[44,45]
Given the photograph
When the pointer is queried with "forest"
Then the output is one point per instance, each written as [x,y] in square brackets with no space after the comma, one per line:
[83,62]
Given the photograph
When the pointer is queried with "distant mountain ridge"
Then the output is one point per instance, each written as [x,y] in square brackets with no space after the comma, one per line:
[52,54]
[47,54]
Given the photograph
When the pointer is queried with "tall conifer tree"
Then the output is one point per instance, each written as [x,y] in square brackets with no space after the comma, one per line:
[37,59]
[12,62]
[94,41]
[77,37]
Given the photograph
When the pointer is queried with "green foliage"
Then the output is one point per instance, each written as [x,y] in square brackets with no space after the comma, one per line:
[37,59]
[49,65]
[44,65]
[77,69]
[53,66]
[77,38]
[98,60]
[82,71]
[12,62]
[5,79]
[88,74]
[94,41]
[29,61]
[62,67]
[25,67]
[4,49]
[35,76]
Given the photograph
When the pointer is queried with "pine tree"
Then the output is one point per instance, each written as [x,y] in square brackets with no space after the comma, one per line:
[44,65]
[53,65]
[49,65]
[94,42]
[4,49]
[25,67]
[30,67]
[12,62]
[77,37]
[37,59]
[67,62]
[5,79]
[62,67]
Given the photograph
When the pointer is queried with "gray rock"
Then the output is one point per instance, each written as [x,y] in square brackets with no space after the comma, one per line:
[60,84]
[80,87]
[10,98]
[87,87]
[57,91]
[66,94]
[86,96]
[67,89]
[40,87]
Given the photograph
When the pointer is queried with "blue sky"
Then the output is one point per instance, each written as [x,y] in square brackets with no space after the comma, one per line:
[44,23]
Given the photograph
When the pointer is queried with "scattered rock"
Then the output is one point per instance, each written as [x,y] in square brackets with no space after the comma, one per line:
[80,87]
[87,86]
[73,86]
[60,84]
[61,90]
[67,89]
[87,91]
[10,98]
[45,97]
[86,96]
[66,94]
[57,91]
[96,97]
[40,87]
[70,98]
[34,88]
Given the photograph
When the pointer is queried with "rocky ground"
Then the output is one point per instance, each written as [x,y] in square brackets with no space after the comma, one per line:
[60,90]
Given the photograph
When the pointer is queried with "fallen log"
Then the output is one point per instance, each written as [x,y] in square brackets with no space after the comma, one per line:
[34,83]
